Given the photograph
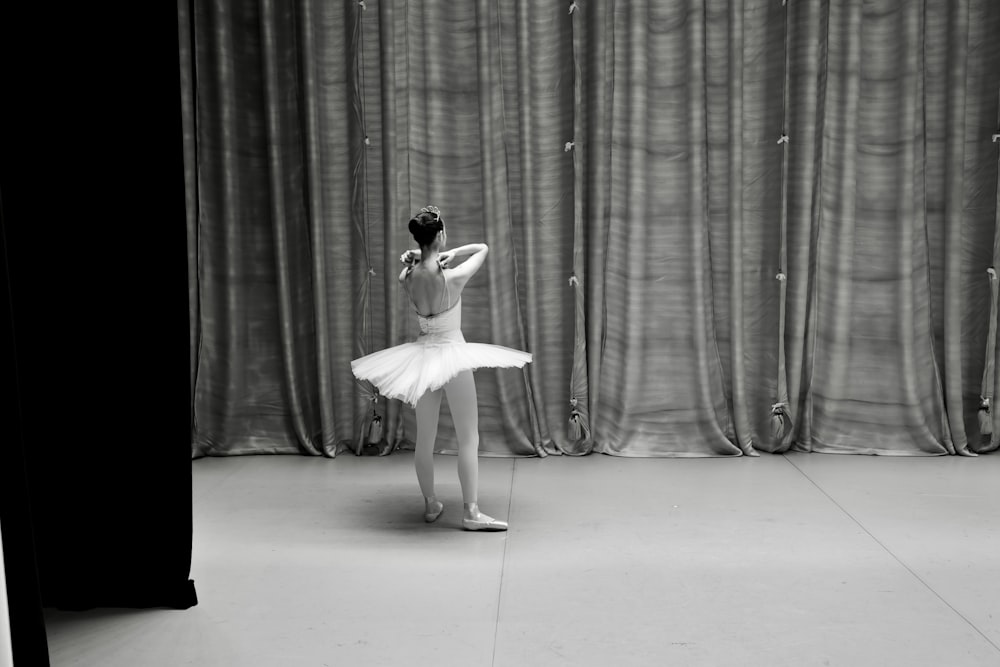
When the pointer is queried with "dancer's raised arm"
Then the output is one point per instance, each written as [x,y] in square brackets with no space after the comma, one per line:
[460,275]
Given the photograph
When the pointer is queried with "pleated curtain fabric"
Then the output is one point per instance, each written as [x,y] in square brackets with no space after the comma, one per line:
[721,227]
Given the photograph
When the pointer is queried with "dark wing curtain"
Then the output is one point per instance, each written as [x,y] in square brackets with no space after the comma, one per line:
[722,227]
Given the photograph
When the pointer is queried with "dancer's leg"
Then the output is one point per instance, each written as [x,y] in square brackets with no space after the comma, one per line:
[464,408]
[428,410]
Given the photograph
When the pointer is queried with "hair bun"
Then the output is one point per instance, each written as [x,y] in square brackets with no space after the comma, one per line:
[425,225]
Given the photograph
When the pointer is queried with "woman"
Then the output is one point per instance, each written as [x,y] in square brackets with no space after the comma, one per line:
[440,361]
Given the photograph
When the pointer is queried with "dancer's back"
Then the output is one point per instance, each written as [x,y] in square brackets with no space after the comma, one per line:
[435,289]
[429,289]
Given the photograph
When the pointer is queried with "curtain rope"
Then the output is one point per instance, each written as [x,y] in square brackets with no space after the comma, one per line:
[579,425]
[781,419]
[371,423]
[986,395]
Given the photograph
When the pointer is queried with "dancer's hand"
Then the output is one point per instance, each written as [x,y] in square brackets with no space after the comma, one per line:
[410,257]
[445,257]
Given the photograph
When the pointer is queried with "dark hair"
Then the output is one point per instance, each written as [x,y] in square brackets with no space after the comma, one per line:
[425,226]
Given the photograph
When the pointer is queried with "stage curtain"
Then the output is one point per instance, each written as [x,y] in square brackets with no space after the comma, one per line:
[721,227]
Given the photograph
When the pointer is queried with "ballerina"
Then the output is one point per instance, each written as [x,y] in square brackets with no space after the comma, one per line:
[440,361]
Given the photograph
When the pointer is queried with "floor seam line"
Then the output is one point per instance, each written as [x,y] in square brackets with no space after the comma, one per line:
[503,564]
[894,556]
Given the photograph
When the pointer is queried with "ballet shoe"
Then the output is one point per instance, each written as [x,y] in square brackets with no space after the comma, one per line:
[484,522]
[432,510]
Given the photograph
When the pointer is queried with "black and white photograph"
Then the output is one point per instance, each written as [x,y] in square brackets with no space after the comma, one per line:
[500,333]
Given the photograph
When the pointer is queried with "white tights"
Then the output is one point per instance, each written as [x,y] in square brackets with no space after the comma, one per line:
[464,408]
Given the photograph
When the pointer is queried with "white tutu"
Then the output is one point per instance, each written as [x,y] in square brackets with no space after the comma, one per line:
[410,370]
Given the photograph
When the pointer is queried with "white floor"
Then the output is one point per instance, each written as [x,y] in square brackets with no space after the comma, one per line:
[796,560]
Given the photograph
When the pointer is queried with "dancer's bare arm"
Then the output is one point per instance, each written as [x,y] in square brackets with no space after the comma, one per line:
[477,255]
[410,258]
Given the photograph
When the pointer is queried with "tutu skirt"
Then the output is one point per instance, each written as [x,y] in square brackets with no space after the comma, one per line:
[410,370]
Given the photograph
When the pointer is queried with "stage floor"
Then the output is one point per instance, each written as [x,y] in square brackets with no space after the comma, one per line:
[797,560]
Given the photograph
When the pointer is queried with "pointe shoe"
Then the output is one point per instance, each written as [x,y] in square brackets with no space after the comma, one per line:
[483,522]
[432,510]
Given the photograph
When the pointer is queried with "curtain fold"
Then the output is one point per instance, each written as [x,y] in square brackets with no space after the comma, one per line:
[643,173]
[956,57]
[874,385]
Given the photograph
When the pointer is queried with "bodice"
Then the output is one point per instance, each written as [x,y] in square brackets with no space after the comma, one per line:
[448,320]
